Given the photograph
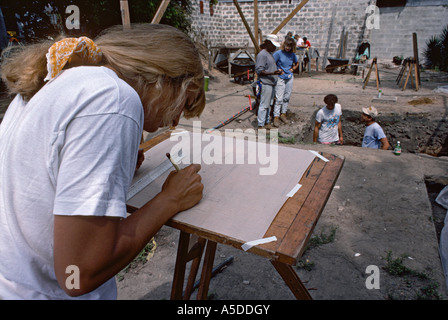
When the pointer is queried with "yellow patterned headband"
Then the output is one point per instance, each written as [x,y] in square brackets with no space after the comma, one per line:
[62,51]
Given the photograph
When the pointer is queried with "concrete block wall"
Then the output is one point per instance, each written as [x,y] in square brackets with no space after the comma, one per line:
[225,27]
[394,37]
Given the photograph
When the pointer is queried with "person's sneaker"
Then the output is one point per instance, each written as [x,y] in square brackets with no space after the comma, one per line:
[267,126]
[283,118]
[276,122]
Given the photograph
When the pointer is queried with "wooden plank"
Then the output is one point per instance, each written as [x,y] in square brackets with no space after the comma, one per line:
[289,17]
[125,18]
[254,41]
[160,11]
[294,243]
[330,30]
[220,238]
[289,211]
[256,26]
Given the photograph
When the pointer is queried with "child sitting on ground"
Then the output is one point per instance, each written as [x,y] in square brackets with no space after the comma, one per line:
[328,126]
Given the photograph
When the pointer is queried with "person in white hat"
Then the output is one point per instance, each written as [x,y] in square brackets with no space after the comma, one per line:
[374,136]
[267,72]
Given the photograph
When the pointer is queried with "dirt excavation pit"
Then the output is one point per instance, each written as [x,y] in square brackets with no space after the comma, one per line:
[416,132]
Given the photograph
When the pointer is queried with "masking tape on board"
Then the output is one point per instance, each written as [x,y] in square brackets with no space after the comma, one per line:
[250,244]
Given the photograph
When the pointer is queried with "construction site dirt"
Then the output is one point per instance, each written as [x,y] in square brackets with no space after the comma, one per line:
[379,213]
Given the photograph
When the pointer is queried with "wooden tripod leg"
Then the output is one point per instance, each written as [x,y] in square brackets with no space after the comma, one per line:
[407,77]
[292,280]
[179,270]
[207,268]
[196,252]
[377,76]
[366,80]
[185,254]
[417,76]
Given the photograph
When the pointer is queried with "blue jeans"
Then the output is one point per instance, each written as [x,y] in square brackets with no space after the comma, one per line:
[283,91]
[266,99]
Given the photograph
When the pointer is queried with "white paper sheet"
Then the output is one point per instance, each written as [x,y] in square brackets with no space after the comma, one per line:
[238,201]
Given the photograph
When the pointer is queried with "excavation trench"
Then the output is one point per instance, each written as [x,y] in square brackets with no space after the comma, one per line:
[417,132]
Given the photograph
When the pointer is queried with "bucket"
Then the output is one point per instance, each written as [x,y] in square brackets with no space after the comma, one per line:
[206,83]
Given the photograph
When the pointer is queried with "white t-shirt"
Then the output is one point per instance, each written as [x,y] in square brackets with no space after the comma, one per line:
[329,120]
[70,150]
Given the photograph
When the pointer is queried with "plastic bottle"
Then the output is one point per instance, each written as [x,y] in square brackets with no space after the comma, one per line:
[379,94]
[397,149]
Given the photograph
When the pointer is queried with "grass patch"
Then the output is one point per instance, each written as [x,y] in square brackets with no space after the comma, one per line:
[427,291]
[316,241]
[322,238]
[286,140]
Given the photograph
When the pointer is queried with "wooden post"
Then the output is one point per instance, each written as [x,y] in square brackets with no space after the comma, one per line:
[414,40]
[330,30]
[256,26]
[289,17]
[125,19]
[160,11]
[254,41]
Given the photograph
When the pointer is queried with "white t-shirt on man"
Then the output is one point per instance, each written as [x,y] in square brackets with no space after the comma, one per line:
[329,120]
[70,150]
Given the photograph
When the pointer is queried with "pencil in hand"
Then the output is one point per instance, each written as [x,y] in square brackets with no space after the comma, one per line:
[172,161]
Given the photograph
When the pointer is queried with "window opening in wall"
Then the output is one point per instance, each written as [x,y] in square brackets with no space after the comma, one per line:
[390,3]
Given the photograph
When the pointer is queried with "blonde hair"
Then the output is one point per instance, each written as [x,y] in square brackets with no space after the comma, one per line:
[156,60]
[291,42]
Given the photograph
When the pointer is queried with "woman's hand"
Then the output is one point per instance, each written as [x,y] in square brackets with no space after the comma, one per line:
[184,187]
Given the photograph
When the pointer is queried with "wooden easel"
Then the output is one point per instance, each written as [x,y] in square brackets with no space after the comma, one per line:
[366,80]
[409,65]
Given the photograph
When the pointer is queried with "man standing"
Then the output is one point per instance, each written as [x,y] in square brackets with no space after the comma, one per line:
[374,136]
[328,125]
[286,60]
[267,72]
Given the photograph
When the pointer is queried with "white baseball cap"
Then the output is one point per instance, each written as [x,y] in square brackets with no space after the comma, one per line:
[274,39]
[370,111]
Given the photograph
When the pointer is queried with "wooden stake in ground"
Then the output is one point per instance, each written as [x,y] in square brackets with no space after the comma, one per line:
[414,40]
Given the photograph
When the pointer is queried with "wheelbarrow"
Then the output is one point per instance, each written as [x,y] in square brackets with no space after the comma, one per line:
[242,70]
[336,63]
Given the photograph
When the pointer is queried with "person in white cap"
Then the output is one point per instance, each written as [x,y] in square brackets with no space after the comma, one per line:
[267,72]
[374,136]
